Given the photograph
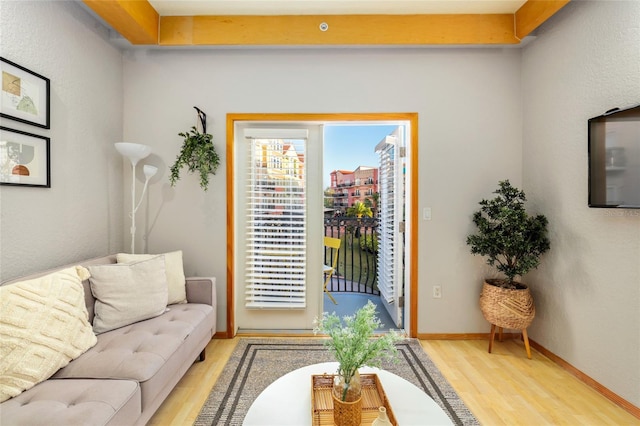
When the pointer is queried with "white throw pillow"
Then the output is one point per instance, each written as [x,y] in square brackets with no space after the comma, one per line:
[43,326]
[127,292]
[174,268]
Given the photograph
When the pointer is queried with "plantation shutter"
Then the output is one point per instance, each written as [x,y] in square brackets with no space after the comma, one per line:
[276,215]
[387,235]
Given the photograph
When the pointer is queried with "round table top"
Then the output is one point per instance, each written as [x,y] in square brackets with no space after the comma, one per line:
[287,401]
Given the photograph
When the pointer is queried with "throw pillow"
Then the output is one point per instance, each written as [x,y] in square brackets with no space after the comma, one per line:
[174,269]
[127,292]
[43,326]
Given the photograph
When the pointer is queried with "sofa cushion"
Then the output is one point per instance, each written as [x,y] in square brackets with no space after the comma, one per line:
[140,351]
[75,402]
[43,326]
[173,268]
[128,292]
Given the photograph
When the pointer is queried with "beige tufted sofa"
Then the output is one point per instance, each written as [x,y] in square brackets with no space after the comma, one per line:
[124,378]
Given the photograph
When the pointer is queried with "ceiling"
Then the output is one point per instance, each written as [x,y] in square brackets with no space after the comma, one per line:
[332,7]
[181,23]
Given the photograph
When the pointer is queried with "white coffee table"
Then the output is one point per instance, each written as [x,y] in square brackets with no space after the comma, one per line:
[287,401]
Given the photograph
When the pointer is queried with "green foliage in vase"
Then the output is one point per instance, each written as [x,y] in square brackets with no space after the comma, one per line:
[352,342]
[197,154]
[511,240]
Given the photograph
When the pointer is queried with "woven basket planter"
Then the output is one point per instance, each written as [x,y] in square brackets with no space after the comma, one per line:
[507,308]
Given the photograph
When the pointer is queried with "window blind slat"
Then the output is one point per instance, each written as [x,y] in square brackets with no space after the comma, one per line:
[276,220]
[386,235]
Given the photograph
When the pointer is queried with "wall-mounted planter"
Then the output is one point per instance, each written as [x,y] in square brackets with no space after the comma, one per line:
[198,154]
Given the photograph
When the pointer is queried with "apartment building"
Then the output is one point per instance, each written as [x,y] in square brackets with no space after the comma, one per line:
[349,186]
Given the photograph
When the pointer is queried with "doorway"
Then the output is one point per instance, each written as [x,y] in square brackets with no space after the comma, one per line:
[363,177]
[300,319]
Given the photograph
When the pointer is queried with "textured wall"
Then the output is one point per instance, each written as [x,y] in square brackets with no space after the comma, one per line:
[468,101]
[586,60]
[81,215]
[472,110]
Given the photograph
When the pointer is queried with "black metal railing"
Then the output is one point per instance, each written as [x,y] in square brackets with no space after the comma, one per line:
[358,254]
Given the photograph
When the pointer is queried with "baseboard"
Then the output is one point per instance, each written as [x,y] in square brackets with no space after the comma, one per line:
[221,335]
[604,391]
[463,336]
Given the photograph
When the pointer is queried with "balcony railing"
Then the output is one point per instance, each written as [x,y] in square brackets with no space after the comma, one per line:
[357,256]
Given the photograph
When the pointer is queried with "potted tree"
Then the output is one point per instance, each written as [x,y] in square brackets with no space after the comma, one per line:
[512,242]
[359,209]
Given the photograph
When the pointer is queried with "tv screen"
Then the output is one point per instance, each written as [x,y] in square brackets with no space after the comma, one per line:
[614,159]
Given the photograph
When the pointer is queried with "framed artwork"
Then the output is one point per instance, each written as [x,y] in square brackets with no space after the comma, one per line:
[24,159]
[25,95]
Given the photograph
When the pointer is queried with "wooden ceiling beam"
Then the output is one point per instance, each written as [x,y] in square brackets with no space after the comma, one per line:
[138,22]
[533,13]
[341,30]
[135,20]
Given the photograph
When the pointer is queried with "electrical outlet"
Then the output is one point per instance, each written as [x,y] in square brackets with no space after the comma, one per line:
[437,292]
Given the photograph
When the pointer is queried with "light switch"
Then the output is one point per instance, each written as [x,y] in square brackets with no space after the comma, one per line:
[426,213]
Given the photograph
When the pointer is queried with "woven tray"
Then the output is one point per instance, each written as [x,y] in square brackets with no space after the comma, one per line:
[373,397]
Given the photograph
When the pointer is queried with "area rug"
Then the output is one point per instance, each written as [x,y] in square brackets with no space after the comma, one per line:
[257,362]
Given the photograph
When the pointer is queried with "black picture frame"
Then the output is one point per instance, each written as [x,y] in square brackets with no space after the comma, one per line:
[25,96]
[25,159]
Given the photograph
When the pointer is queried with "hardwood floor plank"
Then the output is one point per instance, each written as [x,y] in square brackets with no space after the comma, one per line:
[507,388]
[183,404]
[501,388]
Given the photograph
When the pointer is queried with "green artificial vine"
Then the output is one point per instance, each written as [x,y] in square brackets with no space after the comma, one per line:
[197,154]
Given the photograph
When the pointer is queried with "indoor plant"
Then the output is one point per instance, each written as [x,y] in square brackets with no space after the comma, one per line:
[352,343]
[512,242]
[197,153]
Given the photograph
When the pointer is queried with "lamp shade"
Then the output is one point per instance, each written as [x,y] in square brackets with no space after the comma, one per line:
[149,171]
[133,151]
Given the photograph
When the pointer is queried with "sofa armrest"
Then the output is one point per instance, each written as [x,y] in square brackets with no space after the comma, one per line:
[201,290]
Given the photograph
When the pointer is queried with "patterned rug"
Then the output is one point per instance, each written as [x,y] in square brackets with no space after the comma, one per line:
[257,362]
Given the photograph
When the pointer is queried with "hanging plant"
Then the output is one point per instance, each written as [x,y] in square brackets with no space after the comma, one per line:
[197,154]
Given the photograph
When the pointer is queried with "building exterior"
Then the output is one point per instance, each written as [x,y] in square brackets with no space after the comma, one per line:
[278,173]
[347,187]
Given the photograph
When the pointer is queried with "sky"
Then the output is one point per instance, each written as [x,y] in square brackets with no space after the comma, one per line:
[347,147]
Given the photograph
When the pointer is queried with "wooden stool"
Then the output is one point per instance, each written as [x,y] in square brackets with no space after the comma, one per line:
[525,337]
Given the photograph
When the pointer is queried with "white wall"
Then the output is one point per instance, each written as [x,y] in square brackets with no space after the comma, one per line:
[81,215]
[586,60]
[469,106]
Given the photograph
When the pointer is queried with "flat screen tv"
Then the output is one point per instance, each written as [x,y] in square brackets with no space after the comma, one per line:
[614,159]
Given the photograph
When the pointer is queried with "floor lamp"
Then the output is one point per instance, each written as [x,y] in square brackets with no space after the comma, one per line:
[136,152]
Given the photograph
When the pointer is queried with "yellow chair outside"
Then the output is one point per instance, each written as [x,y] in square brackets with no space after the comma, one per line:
[328,270]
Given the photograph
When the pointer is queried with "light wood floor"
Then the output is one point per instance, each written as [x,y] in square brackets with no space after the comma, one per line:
[501,388]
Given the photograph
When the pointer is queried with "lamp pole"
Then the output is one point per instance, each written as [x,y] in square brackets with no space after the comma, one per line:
[136,152]
[133,209]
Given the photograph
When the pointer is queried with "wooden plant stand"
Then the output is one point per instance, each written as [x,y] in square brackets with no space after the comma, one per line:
[525,337]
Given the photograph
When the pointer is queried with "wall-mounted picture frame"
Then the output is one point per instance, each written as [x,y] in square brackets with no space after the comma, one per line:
[24,159]
[24,95]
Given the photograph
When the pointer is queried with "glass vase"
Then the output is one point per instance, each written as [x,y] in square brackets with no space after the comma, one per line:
[347,392]
[347,401]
